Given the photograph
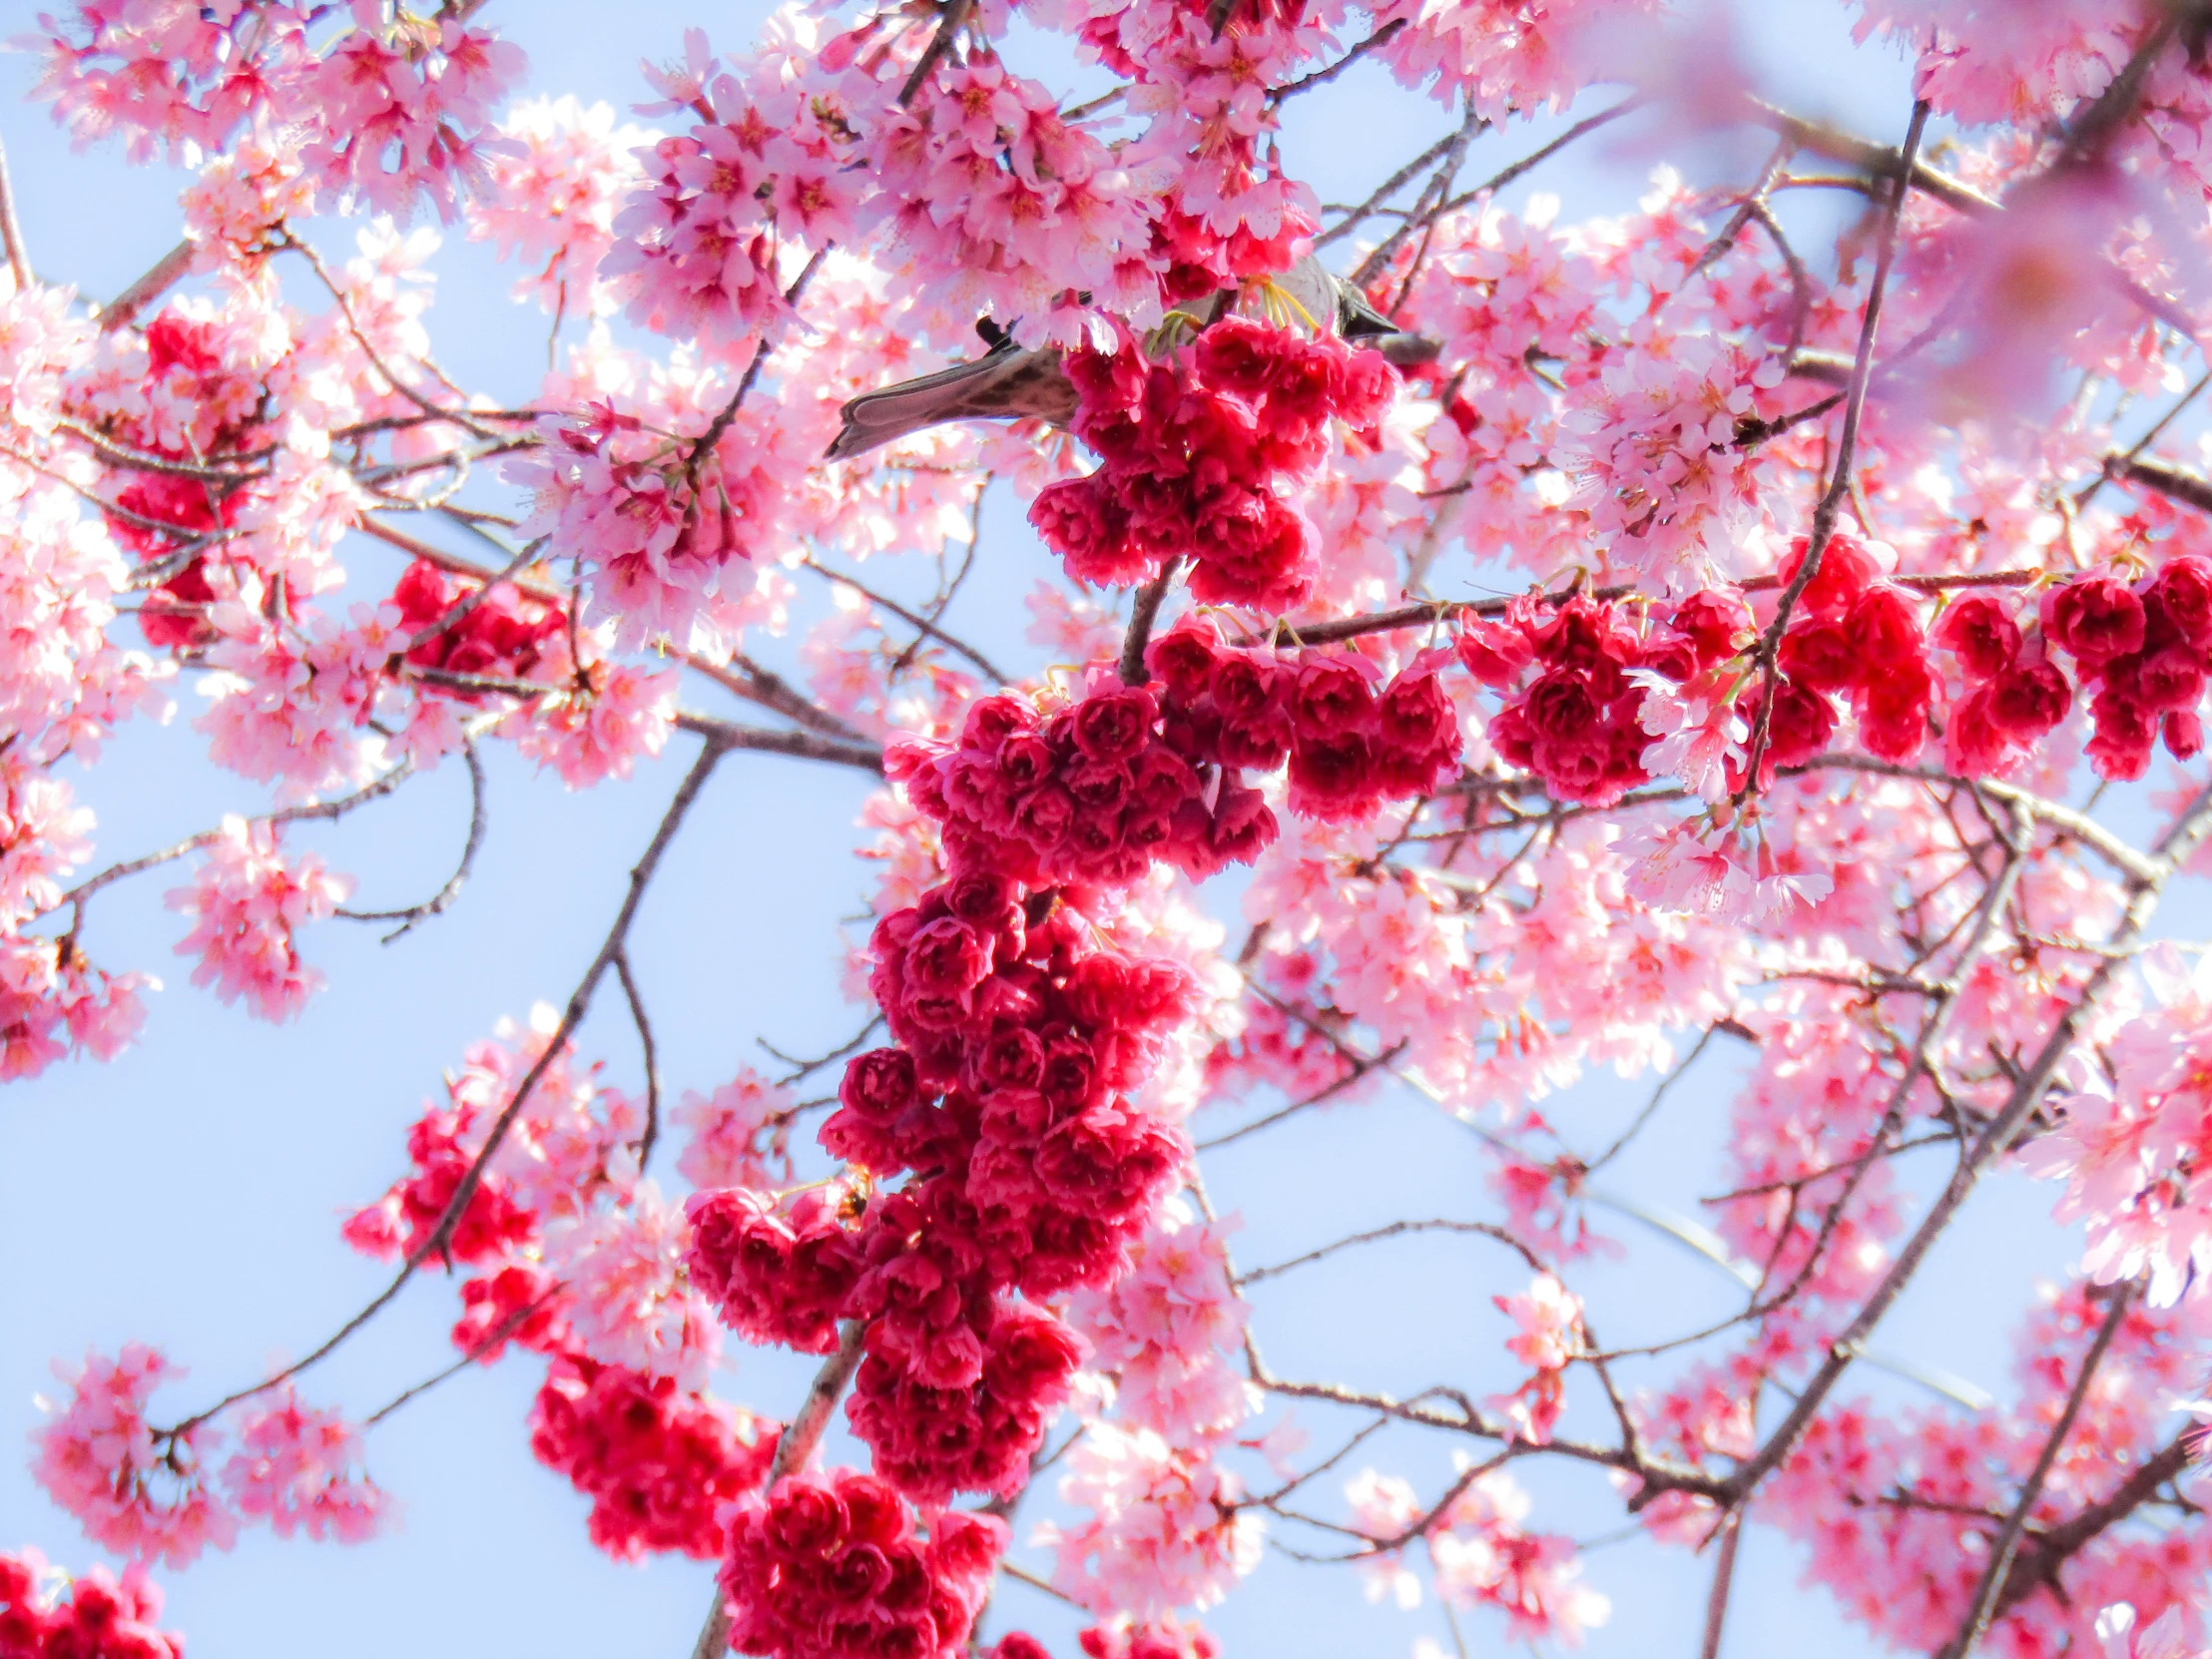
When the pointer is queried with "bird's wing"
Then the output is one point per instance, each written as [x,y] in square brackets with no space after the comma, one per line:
[1009,383]
[1315,293]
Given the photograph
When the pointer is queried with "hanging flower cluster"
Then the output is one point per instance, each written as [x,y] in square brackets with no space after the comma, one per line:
[1571,670]
[2146,649]
[1353,739]
[1203,455]
[659,1464]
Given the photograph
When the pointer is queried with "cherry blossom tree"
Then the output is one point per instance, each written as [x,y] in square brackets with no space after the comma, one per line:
[1487,646]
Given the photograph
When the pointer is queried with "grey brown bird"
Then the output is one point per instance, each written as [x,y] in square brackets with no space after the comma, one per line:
[1013,382]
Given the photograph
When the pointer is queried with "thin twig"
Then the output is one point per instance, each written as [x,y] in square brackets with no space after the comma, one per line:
[413,915]
[1351,1074]
[11,232]
[1724,1577]
[704,445]
[912,619]
[490,1340]
[1652,1105]
[1506,175]
[1322,77]
[2187,833]
[2087,494]
[636,1000]
[1354,217]
[1398,1229]
[954,15]
[374,789]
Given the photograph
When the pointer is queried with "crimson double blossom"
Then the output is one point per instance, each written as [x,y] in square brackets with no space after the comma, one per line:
[1352,741]
[1006,1099]
[2015,693]
[1853,635]
[659,1464]
[1006,1102]
[505,634]
[829,1566]
[1571,708]
[1202,456]
[2146,648]
[1091,794]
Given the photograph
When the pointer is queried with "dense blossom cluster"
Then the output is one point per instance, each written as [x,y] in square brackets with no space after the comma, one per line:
[2134,1141]
[659,1466]
[385,110]
[93,1616]
[1684,791]
[1572,672]
[832,1565]
[1091,792]
[1203,457]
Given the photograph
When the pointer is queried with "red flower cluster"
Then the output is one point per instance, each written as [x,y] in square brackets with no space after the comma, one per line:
[515,1304]
[1019,1039]
[1200,455]
[1851,633]
[2014,692]
[934,1442]
[1200,262]
[99,1618]
[493,1225]
[656,1463]
[1091,794]
[505,634]
[1571,713]
[186,367]
[829,1566]
[1006,1099]
[779,1279]
[1350,740]
[2146,648]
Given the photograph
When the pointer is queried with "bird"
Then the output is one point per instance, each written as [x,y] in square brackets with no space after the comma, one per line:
[1016,382]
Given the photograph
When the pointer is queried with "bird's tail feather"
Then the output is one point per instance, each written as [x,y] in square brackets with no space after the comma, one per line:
[1009,383]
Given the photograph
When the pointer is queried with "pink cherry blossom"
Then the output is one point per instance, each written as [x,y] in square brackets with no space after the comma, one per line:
[132,1493]
[298,1469]
[247,900]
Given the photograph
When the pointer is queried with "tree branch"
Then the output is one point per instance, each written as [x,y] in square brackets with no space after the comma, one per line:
[2188,831]
[2038,1564]
[1142,614]
[1993,1575]
[579,1003]
[651,1055]
[1724,1576]
[1846,443]
[1398,1229]
[915,620]
[792,1447]
[415,915]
